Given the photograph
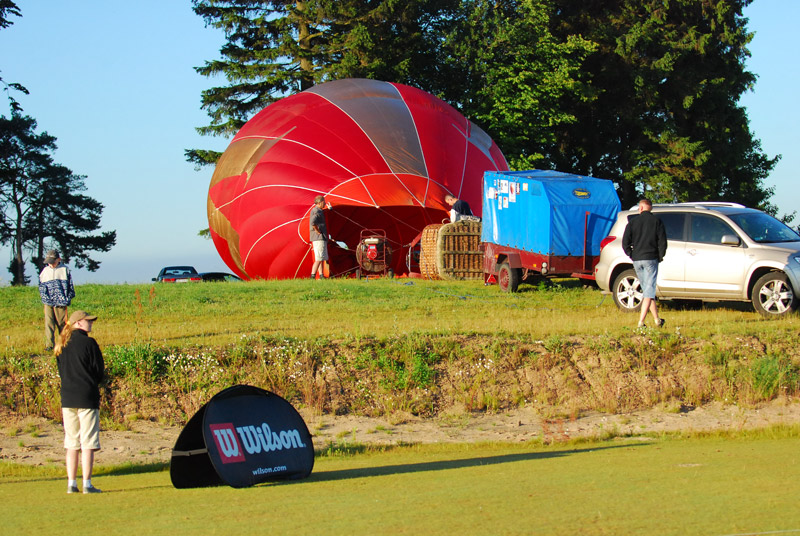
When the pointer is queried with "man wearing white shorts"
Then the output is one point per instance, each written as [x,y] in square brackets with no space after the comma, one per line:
[318,234]
[81,368]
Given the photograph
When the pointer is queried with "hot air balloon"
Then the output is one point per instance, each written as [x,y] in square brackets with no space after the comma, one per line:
[384,155]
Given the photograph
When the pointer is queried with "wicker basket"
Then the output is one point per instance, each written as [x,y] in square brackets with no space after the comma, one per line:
[451,251]
[427,252]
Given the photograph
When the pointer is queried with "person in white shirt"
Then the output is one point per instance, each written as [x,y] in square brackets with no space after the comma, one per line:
[56,291]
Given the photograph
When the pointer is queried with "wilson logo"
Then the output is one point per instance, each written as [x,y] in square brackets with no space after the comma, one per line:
[262,439]
[254,439]
[227,443]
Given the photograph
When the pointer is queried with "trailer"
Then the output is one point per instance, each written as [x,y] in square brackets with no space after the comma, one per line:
[540,223]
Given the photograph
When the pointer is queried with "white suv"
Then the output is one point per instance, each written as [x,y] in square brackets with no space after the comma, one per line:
[715,252]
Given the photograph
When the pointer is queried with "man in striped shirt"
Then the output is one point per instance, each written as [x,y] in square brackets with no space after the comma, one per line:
[56,291]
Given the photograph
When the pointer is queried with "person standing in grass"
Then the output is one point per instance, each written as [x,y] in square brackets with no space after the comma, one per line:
[81,368]
[56,291]
[318,234]
[645,242]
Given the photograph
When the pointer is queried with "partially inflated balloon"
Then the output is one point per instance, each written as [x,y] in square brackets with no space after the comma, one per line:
[383,155]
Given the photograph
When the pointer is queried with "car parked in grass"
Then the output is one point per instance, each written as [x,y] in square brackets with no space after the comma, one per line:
[715,252]
[178,274]
[216,277]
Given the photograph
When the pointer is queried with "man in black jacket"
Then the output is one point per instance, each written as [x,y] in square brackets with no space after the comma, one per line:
[81,368]
[459,208]
[645,242]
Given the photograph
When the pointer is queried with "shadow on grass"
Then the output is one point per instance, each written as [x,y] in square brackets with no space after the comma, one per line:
[444,465]
[698,305]
[11,473]
[132,469]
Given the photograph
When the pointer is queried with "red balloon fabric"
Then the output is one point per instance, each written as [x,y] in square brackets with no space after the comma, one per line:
[384,156]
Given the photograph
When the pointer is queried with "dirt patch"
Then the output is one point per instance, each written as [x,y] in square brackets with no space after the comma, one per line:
[39,441]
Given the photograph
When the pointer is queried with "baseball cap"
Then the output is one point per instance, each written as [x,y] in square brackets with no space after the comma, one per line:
[51,256]
[77,316]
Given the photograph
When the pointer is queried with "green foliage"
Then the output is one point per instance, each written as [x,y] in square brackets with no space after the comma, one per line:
[511,74]
[555,344]
[384,348]
[31,385]
[8,8]
[275,49]
[663,116]
[141,360]
[400,364]
[644,93]
[716,356]
[772,375]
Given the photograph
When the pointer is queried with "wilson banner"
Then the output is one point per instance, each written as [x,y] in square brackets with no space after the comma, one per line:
[243,436]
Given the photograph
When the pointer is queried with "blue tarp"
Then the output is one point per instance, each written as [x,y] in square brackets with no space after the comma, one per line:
[545,211]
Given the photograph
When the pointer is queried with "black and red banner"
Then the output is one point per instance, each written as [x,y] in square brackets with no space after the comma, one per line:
[243,436]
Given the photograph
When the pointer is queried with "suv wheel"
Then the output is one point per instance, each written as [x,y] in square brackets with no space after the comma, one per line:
[773,295]
[627,291]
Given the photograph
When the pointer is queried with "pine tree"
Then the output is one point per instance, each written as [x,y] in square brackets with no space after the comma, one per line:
[8,8]
[642,92]
[40,201]
[278,48]
[663,117]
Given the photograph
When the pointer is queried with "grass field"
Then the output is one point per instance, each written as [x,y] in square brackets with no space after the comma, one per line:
[721,484]
[216,314]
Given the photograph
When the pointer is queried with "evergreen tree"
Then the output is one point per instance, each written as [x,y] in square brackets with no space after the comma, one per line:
[278,48]
[40,201]
[8,8]
[663,118]
[642,92]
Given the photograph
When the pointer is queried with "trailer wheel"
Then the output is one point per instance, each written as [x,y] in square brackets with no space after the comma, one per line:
[508,278]
[627,291]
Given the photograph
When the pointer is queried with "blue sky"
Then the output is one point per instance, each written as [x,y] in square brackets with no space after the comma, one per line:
[114,83]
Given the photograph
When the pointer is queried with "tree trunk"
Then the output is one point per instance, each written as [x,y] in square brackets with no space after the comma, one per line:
[304,41]
[17,267]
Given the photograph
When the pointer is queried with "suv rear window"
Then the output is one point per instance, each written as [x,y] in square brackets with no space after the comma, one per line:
[674,224]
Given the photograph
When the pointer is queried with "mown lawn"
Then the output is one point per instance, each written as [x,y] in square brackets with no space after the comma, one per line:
[220,313]
[741,483]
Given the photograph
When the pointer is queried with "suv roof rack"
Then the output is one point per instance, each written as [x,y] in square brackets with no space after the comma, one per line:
[696,204]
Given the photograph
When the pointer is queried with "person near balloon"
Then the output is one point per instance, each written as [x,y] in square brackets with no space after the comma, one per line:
[318,234]
[56,291]
[458,208]
[81,369]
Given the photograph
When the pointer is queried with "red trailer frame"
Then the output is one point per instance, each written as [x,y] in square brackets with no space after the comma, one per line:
[510,266]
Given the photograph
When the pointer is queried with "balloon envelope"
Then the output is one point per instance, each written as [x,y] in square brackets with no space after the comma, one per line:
[384,156]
